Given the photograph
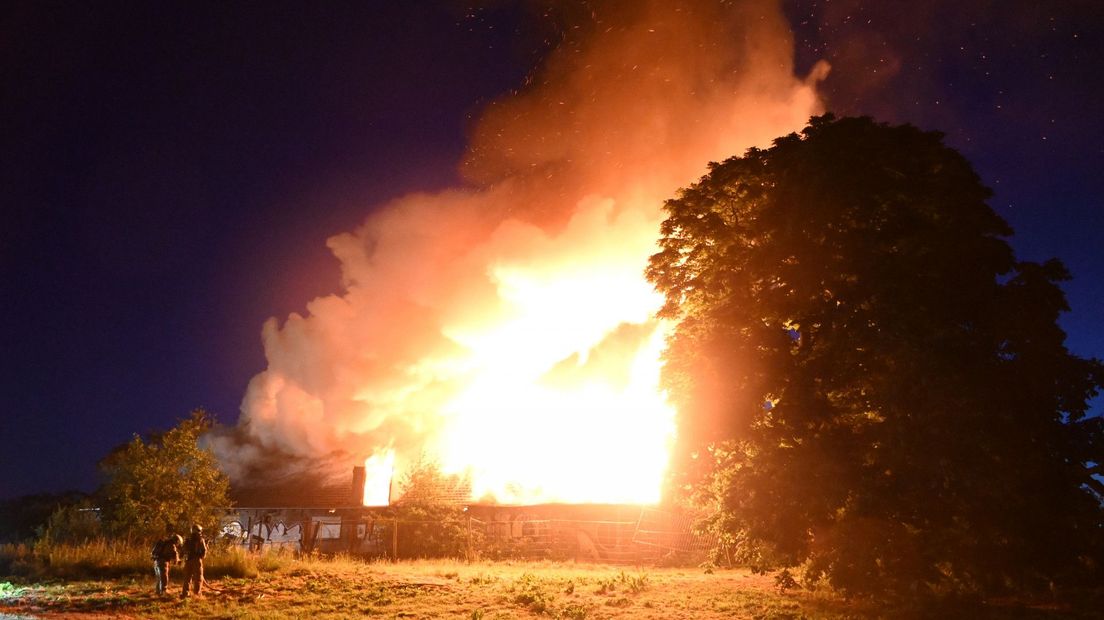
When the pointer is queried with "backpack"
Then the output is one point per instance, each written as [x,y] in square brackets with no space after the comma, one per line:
[195,547]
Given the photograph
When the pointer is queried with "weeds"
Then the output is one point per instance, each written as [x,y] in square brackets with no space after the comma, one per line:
[621,601]
[530,593]
[15,559]
[235,562]
[100,559]
[341,587]
[606,586]
[635,583]
[575,611]
[785,580]
[7,590]
[272,562]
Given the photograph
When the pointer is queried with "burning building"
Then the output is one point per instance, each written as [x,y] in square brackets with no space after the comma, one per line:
[504,329]
[308,518]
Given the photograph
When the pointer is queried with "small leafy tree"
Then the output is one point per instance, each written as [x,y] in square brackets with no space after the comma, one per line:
[433,524]
[166,482]
[73,523]
[873,385]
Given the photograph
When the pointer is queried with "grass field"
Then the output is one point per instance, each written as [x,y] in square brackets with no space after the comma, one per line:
[344,588]
[347,588]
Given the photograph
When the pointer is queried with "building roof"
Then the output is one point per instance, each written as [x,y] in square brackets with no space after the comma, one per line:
[305,491]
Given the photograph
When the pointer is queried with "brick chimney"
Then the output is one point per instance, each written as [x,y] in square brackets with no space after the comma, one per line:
[359,478]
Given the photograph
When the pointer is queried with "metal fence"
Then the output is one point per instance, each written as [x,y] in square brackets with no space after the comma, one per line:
[654,536]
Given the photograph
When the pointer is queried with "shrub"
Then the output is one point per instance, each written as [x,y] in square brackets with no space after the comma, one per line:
[431,524]
[94,559]
[529,592]
[105,559]
[232,562]
[165,482]
[575,611]
[635,583]
[73,524]
[15,559]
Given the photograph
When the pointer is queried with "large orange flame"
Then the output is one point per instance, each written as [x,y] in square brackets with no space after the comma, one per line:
[554,409]
[559,398]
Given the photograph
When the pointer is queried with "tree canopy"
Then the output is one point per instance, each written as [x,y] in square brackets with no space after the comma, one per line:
[430,512]
[871,386]
[165,483]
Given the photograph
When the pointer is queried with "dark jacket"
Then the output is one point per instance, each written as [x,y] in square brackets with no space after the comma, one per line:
[165,551]
[195,548]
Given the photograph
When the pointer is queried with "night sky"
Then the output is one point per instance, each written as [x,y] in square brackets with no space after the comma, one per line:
[170,172]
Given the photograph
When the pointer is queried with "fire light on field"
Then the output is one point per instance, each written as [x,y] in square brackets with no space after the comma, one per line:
[505,329]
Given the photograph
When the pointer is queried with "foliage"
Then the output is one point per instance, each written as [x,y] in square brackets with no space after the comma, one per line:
[167,482]
[507,547]
[74,523]
[784,580]
[884,386]
[22,518]
[270,560]
[88,560]
[102,558]
[237,562]
[323,588]
[431,523]
[15,558]
[424,483]
[574,611]
[533,593]
[9,590]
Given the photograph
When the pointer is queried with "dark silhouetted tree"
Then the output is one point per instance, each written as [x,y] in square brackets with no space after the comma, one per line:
[873,386]
[24,518]
[76,523]
[166,482]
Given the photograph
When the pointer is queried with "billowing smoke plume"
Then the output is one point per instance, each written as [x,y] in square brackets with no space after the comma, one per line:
[534,268]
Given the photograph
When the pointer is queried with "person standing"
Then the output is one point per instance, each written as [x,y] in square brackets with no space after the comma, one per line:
[166,552]
[195,549]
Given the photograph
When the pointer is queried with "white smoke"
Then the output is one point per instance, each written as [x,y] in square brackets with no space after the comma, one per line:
[567,176]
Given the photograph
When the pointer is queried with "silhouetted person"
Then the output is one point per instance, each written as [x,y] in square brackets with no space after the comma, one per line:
[194,551]
[166,552]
